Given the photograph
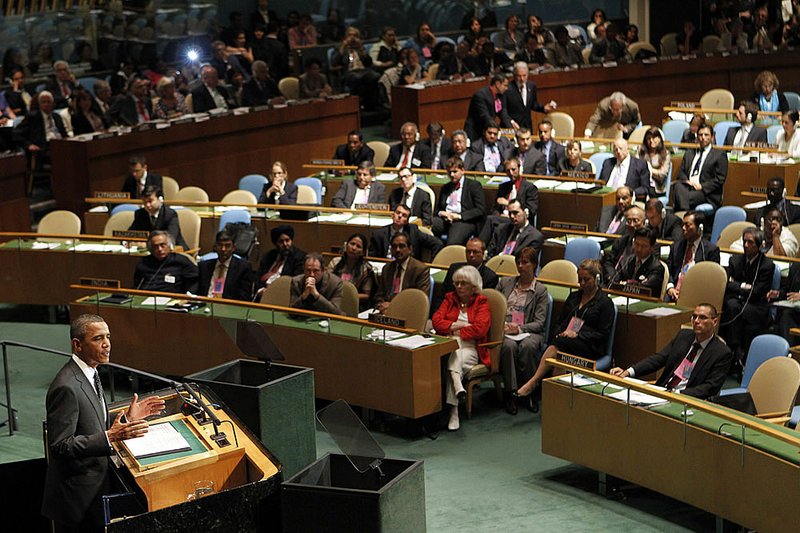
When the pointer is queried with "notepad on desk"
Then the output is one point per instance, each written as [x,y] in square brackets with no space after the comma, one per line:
[156,300]
[412,342]
[660,311]
[160,439]
[637,398]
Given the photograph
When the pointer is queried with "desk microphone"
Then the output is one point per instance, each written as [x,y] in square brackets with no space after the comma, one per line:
[153,276]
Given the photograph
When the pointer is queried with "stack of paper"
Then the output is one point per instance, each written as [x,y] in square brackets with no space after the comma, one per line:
[412,342]
[160,439]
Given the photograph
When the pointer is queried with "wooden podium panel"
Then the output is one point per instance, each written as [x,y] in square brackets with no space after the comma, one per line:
[743,175]
[14,206]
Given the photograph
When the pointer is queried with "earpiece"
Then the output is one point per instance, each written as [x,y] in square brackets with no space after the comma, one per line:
[700,229]
[597,279]
[749,117]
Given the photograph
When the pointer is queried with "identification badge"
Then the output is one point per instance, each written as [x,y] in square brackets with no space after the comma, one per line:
[219,285]
[416,162]
[169,278]
[575,324]
[517,317]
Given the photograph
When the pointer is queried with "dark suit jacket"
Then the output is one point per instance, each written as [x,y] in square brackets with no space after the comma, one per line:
[670,228]
[347,192]
[132,188]
[58,97]
[783,103]
[791,213]
[705,252]
[167,220]
[535,305]
[417,276]
[473,200]
[292,267]
[535,162]
[202,100]
[504,148]
[757,134]
[330,294]
[530,236]
[612,259]
[650,274]
[471,160]
[79,450]
[444,151]
[420,205]
[81,124]
[31,130]
[289,196]
[488,276]
[638,177]
[607,215]
[253,95]
[708,374]
[421,158]
[557,154]
[380,241]
[759,274]
[712,175]
[238,281]
[365,153]
[517,110]
[528,196]
[125,111]
[481,113]
[177,273]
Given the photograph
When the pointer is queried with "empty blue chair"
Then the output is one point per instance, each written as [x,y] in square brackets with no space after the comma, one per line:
[673,130]
[706,209]
[726,215]
[87,83]
[762,348]
[314,183]
[579,249]
[598,159]
[233,216]
[772,133]
[253,183]
[124,207]
[721,130]
[604,363]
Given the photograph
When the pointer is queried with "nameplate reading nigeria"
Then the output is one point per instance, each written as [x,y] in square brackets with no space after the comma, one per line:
[384,320]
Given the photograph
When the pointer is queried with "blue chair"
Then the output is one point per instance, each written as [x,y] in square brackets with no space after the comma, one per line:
[443,39]
[665,198]
[233,216]
[124,207]
[598,159]
[572,29]
[673,130]
[314,183]
[253,183]
[772,133]
[776,284]
[726,215]
[706,209]
[721,130]
[762,348]
[604,363]
[579,249]
[87,83]
[793,99]
[206,257]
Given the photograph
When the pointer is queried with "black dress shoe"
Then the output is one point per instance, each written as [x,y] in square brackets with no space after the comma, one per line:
[511,405]
[533,404]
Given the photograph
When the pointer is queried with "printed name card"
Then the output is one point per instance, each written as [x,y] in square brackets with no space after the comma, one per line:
[631,288]
[100,282]
[569,226]
[328,162]
[112,194]
[578,174]
[574,360]
[377,318]
[130,234]
[373,207]
[685,105]
[759,190]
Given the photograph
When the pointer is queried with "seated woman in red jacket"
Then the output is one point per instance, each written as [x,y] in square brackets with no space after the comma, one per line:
[464,315]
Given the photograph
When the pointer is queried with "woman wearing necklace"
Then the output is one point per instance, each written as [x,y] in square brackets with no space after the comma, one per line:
[351,266]
[525,316]
[583,327]
[464,315]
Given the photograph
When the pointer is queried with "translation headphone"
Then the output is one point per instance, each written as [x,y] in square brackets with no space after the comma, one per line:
[700,229]
[749,117]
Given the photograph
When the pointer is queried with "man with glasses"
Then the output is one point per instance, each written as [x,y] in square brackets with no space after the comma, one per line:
[417,200]
[363,190]
[492,150]
[695,362]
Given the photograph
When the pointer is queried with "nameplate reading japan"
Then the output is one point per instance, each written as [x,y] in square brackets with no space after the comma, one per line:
[328,162]
[569,226]
[373,207]
[631,288]
[112,194]
[100,282]
[377,318]
[130,234]
[574,360]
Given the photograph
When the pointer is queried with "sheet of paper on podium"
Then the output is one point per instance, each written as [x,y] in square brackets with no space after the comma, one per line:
[160,439]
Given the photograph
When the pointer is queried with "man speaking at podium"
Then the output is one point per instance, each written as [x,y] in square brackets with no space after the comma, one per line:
[80,431]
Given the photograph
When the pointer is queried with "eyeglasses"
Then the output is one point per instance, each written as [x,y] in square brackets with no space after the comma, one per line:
[461,283]
[702,317]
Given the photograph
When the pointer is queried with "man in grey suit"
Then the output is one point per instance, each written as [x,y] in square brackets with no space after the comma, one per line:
[362,190]
[81,431]
[316,290]
[531,160]
[460,149]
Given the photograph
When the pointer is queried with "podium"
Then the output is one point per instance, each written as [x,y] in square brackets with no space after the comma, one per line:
[246,477]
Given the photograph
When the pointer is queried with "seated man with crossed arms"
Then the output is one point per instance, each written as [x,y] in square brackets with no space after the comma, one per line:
[316,290]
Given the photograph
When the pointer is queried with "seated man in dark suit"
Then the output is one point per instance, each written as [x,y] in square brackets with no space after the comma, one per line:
[642,268]
[487,107]
[553,152]
[410,152]
[164,270]
[517,188]
[515,234]
[227,276]
[279,190]
[612,217]
[624,169]
[776,198]
[460,207]
[63,84]
[702,174]
[261,89]
[363,190]
[475,252]
[461,150]
[689,250]
[531,160]
[666,225]
[135,107]
[419,240]
[492,150]
[315,289]
[355,151]
[404,272]
[746,311]
[154,215]
[748,133]
[210,94]
[140,178]
[622,249]
[40,127]
[437,144]
[416,199]
[694,362]
[283,260]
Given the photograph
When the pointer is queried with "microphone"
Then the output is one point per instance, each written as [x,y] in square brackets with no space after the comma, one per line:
[153,276]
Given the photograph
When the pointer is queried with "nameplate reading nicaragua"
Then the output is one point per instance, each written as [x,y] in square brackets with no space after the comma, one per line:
[377,318]
[631,288]
[578,174]
[373,207]
[130,234]
[570,226]
[328,162]
[574,360]
[112,194]
[100,282]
